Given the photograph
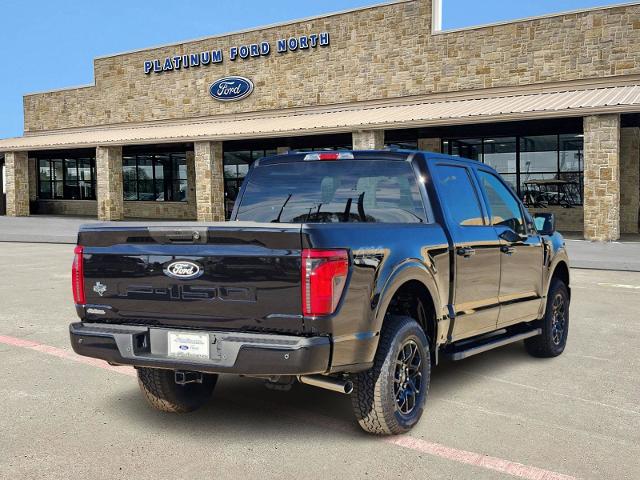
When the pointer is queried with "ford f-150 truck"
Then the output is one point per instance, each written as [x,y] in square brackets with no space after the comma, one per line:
[352,271]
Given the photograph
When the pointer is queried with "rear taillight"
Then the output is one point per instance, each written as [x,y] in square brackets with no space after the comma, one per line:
[77,276]
[324,274]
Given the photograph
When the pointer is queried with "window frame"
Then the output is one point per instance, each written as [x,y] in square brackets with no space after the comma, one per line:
[168,182]
[53,181]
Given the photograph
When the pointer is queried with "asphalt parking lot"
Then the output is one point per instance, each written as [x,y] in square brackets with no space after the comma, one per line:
[502,414]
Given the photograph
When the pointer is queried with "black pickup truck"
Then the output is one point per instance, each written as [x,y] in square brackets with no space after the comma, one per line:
[352,271]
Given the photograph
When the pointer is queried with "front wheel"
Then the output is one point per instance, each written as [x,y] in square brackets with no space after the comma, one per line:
[163,393]
[389,398]
[555,324]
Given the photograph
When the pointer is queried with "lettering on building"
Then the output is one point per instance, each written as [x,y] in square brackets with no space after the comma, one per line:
[237,52]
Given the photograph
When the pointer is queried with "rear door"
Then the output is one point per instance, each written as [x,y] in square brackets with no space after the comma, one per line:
[476,247]
[522,252]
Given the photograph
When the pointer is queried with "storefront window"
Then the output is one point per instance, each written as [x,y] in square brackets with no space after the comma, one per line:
[155,177]
[66,178]
[236,167]
[543,170]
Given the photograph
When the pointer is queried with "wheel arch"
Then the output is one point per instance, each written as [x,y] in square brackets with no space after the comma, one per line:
[412,280]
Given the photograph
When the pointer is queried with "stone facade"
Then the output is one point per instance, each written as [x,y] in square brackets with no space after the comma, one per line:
[567,219]
[368,140]
[209,181]
[109,183]
[78,208]
[430,144]
[17,173]
[375,53]
[629,179]
[602,177]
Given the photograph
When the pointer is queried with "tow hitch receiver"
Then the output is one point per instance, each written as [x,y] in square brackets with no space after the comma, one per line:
[184,378]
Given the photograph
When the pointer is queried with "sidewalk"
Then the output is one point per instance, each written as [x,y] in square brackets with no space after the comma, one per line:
[624,255]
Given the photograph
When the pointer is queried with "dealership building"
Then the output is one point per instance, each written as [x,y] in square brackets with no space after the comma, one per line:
[552,102]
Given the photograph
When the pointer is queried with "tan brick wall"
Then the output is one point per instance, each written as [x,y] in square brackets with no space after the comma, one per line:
[17,173]
[160,210]
[109,183]
[430,144]
[209,182]
[567,219]
[375,53]
[80,208]
[368,140]
[602,177]
[629,179]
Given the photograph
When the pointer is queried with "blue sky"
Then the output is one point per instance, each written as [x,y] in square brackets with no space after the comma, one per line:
[49,44]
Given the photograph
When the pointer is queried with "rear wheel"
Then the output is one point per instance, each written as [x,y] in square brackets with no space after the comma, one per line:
[555,324]
[389,398]
[163,393]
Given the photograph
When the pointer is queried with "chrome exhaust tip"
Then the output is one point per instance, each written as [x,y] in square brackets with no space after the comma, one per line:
[328,383]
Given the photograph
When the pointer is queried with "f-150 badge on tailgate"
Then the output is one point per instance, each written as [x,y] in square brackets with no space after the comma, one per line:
[183,270]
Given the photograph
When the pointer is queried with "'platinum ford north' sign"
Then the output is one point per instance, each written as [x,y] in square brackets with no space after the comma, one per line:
[231,89]
[239,52]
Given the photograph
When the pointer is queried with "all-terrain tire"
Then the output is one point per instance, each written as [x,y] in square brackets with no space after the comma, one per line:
[555,324]
[163,393]
[375,391]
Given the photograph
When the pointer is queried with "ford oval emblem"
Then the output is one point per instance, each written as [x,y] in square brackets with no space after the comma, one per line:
[183,270]
[231,89]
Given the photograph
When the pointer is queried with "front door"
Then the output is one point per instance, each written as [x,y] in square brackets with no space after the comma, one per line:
[477,252]
[522,251]
[3,193]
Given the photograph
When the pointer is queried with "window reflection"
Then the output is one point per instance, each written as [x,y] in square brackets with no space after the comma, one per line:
[543,169]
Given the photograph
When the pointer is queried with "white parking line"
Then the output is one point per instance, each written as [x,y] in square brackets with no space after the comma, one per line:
[619,285]
[405,441]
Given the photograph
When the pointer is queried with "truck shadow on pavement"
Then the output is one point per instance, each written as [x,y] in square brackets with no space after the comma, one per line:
[244,407]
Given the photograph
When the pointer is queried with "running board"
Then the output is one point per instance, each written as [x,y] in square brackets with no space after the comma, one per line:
[490,343]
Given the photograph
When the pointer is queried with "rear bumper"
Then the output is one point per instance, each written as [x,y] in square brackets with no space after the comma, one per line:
[231,352]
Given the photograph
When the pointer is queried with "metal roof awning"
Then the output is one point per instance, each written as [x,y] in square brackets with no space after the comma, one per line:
[576,102]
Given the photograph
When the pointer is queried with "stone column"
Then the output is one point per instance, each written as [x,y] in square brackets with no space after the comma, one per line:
[109,182]
[629,179]
[16,166]
[430,144]
[368,140]
[602,177]
[209,182]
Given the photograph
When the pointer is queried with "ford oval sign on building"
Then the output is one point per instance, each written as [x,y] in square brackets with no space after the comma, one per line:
[231,89]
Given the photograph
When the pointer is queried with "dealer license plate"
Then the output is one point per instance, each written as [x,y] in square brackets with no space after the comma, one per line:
[188,345]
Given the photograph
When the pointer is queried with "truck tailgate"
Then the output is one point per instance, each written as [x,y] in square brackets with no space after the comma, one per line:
[220,276]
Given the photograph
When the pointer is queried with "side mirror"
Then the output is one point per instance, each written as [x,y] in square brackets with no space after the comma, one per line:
[545,223]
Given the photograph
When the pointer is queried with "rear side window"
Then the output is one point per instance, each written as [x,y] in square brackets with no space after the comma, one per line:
[458,195]
[378,191]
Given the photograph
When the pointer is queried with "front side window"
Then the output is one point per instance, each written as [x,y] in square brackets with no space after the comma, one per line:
[376,191]
[505,209]
[66,178]
[458,195]
[155,177]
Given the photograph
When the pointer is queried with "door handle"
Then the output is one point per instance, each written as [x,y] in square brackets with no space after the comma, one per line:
[508,250]
[466,252]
